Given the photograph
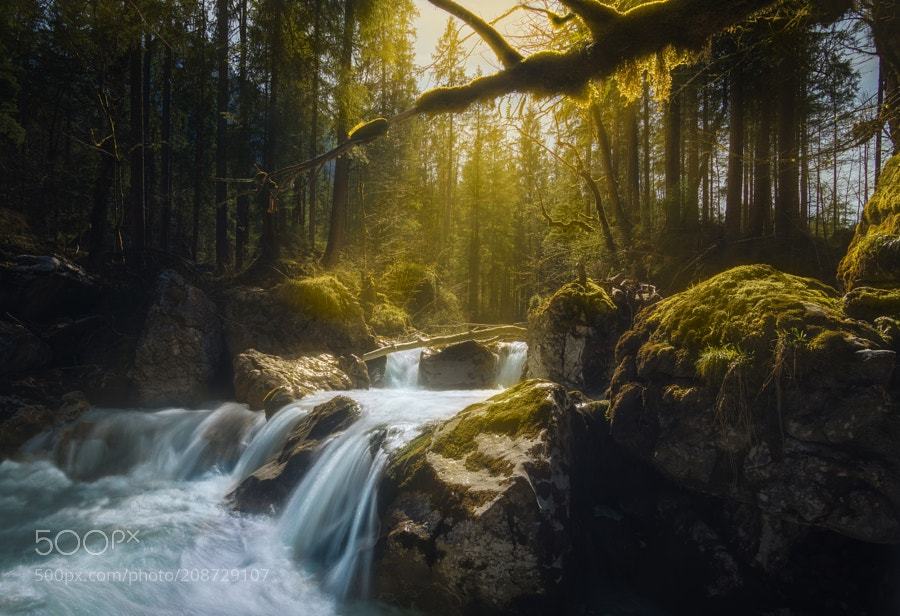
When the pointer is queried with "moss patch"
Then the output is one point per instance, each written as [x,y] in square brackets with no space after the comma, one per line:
[874,254]
[521,411]
[573,300]
[715,363]
[388,320]
[322,297]
[869,303]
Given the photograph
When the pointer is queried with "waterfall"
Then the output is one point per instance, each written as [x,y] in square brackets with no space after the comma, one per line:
[174,443]
[402,369]
[512,363]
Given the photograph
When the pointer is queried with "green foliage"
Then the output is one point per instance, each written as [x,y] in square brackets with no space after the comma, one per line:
[715,363]
[388,320]
[322,297]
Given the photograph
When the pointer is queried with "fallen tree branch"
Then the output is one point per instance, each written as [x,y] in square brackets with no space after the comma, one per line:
[502,332]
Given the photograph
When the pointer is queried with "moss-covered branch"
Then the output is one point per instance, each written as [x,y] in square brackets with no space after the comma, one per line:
[499,45]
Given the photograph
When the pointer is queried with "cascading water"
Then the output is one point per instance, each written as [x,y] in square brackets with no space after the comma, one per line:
[512,363]
[402,369]
[164,474]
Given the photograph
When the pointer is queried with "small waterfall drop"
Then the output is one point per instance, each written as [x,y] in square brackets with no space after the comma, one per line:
[402,369]
[512,363]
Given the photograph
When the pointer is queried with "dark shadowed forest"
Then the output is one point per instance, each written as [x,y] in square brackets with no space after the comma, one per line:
[611,291]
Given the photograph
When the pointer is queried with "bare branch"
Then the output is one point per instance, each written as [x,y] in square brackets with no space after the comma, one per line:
[508,56]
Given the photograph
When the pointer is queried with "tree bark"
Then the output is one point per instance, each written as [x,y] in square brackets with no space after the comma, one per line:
[341,193]
[762,188]
[673,155]
[165,221]
[136,196]
[735,177]
[242,220]
[222,20]
[691,206]
[609,173]
[786,204]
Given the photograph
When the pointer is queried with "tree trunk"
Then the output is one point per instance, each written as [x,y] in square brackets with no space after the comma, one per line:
[609,173]
[673,155]
[150,196]
[165,221]
[691,209]
[222,260]
[242,221]
[887,43]
[341,194]
[200,113]
[314,125]
[136,196]
[735,177]
[646,205]
[786,204]
[633,149]
[880,99]
[762,188]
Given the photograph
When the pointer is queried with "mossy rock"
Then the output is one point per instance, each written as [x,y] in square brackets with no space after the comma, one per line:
[571,336]
[873,258]
[869,303]
[323,298]
[389,320]
[477,507]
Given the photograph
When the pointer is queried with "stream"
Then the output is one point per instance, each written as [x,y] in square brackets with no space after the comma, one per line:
[123,512]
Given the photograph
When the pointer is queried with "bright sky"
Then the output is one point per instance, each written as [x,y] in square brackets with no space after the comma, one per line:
[431,22]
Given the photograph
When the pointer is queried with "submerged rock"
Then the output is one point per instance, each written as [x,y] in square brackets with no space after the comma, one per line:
[873,258]
[181,349]
[755,386]
[267,489]
[466,365]
[269,382]
[477,509]
[571,336]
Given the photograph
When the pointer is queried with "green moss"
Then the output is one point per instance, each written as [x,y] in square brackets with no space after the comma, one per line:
[480,461]
[521,411]
[388,320]
[743,308]
[367,131]
[320,297]
[716,362]
[869,303]
[404,280]
[575,301]
[874,254]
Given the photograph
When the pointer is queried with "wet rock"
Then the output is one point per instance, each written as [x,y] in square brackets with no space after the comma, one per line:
[21,350]
[267,489]
[466,365]
[301,317]
[571,336]
[756,387]
[181,350]
[269,382]
[477,508]
[22,418]
[872,303]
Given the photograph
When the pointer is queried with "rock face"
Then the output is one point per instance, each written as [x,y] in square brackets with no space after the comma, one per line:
[24,418]
[268,382]
[267,489]
[21,350]
[299,317]
[181,349]
[873,258]
[40,288]
[571,336]
[755,386]
[466,365]
[477,513]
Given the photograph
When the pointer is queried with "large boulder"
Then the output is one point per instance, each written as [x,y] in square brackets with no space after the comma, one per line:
[465,365]
[21,350]
[873,258]
[40,288]
[269,382]
[298,317]
[477,508]
[267,489]
[181,350]
[755,386]
[571,336]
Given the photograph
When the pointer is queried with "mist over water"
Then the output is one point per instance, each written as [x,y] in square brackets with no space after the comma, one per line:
[162,476]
